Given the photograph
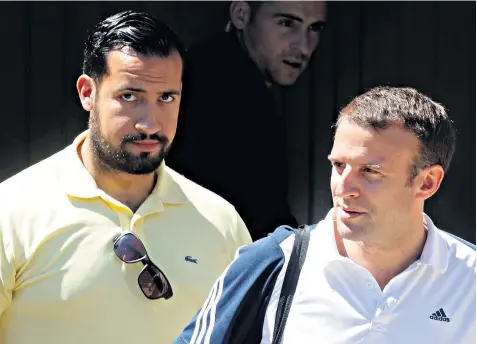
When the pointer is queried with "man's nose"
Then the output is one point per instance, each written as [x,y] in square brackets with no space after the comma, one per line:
[149,122]
[302,46]
[346,185]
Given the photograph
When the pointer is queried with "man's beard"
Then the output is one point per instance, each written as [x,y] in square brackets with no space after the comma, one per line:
[110,158]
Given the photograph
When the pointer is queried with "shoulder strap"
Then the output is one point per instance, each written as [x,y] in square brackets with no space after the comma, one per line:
[297,258]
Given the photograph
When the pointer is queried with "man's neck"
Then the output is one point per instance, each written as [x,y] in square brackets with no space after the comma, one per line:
[131,190]
[385,262]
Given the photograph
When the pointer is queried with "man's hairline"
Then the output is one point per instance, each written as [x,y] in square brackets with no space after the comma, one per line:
[98,78]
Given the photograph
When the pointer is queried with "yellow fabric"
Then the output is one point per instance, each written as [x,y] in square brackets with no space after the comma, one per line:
[60,280]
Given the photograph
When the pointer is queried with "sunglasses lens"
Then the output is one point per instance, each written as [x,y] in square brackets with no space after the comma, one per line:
[129,248]
[153,283]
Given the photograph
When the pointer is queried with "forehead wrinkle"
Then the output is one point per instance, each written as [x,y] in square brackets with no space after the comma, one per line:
[142,76]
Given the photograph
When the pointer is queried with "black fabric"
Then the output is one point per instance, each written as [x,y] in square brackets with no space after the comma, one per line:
[230,138]
[248,323]
[290,281]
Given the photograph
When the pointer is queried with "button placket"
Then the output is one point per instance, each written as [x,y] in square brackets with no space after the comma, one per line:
[124,221]
[136,225]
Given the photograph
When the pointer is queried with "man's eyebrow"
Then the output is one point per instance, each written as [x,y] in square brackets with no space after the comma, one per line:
[289,16]
[130,88]
[141,90]
[374,165]
[176,92]
[319,23]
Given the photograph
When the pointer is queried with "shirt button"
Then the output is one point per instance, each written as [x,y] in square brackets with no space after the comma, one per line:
[391,301]
[370,285]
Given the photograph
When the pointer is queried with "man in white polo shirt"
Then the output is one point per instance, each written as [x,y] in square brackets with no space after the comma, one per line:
[102,242]
[377,269]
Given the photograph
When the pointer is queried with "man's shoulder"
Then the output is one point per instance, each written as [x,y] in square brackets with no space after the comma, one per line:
[461,253]
[272,246]
[27,194]
[262,256]
[37,176]
[196,193]
[458,242]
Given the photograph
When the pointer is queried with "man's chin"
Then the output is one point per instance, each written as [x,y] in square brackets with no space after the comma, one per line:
[349,231]
[142,172]
[286,80]
[143,168]
[137,165]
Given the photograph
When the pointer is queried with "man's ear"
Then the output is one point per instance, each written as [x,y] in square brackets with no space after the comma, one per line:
[429,180]
[86,88]
[239,14]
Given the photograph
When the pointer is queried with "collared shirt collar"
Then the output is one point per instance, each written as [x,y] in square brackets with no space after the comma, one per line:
[78,182]
[326,241]
[436,249]
[435,252]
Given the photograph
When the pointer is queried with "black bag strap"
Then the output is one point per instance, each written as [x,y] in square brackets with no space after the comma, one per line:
[297,258]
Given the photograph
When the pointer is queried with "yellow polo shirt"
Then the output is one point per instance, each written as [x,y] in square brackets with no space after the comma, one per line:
[62,283]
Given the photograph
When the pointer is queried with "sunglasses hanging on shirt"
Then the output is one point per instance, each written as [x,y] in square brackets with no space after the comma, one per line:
[152,281]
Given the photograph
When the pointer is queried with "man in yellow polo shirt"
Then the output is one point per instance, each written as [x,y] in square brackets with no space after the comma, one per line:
[102,242]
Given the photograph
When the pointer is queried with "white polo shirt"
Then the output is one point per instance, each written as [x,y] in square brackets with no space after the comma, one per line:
[338,301]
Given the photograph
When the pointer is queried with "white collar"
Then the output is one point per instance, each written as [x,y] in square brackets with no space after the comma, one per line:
[435,252]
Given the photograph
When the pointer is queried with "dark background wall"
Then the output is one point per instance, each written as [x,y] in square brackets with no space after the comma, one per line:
[426,45]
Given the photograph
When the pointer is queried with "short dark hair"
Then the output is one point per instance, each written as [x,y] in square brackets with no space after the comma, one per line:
[381,107]
[141,32]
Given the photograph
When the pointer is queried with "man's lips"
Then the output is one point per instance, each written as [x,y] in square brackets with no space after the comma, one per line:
[296,65]
[348,212]
[146,145]
[147,142]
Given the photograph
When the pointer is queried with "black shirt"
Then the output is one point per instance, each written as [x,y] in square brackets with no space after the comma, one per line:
[230,138]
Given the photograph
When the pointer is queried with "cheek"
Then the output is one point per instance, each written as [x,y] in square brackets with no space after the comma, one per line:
[313,41]
[107,106]
[168,118]
[281,46]
[114,125]
[333,182]
[390,200]
[268,42]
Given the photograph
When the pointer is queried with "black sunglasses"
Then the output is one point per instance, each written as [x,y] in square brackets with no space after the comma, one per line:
[152,281]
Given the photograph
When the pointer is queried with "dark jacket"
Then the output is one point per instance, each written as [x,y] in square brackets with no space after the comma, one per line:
[230,138]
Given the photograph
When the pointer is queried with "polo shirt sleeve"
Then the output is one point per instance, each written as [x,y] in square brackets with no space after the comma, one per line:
[235,308]
[7,270]
[240,233]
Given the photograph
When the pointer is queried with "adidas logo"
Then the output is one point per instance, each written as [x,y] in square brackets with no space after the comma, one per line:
[440,316]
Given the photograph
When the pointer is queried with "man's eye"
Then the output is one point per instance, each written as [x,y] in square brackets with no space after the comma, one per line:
[128,97]
[337,164]
[370,171]
[316,27]
[166,98]
[285,22]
